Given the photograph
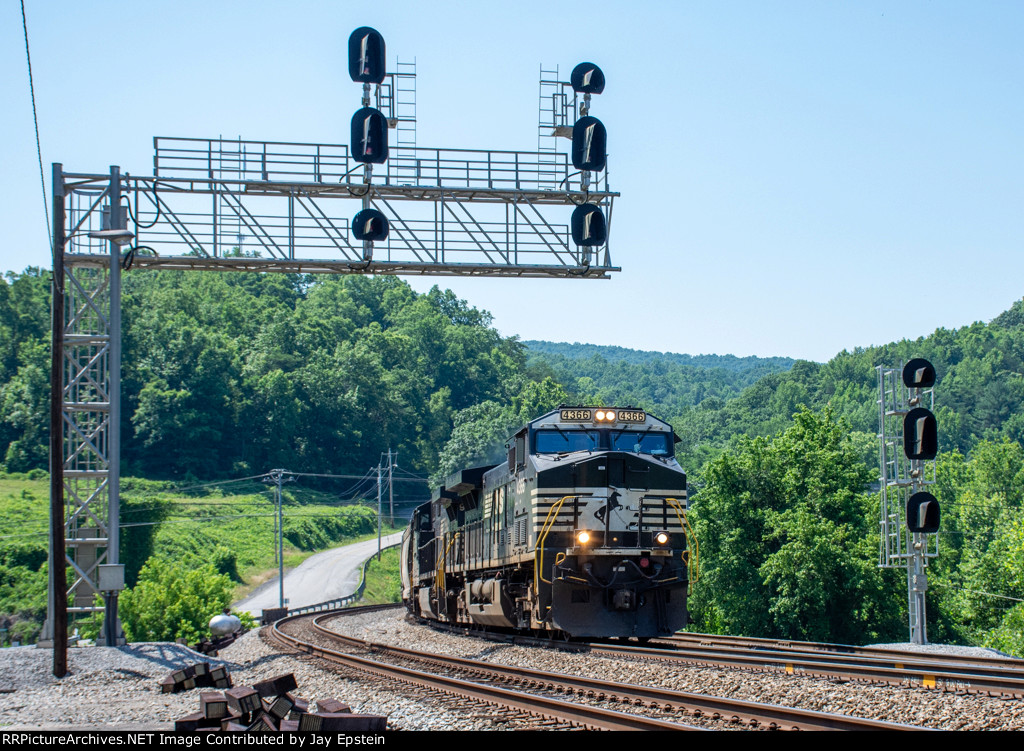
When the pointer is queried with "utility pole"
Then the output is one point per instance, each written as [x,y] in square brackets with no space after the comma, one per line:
[277,476]
[58,594]
[391,487]
[379,506]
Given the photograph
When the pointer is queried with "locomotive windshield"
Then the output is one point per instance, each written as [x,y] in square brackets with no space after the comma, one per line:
[633,441]
[565,441]
[655,444]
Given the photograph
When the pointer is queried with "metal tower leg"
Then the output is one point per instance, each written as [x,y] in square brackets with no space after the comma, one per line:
[87,437]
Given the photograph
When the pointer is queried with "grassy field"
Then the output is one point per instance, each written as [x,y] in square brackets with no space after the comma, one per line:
[232,526]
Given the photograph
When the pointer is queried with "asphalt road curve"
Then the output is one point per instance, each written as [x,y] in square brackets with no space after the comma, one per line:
[325,576]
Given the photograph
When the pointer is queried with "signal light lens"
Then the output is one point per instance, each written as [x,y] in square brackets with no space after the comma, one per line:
[918,374]
[923,513]
[366,56]
[920,434]
[588,226]
[583,537]
[589,144]
[587,78]
[370,224]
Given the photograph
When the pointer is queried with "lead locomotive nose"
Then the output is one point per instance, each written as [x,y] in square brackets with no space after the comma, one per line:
[581,531]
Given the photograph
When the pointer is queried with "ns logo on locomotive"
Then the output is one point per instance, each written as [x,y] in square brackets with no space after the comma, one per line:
[582,532]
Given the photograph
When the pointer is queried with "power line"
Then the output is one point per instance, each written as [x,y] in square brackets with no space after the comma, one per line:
[35,120]
[977,592]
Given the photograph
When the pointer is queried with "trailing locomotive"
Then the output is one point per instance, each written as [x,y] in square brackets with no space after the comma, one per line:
[581,532]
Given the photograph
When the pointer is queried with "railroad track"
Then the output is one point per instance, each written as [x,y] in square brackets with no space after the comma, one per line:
[992,678]
[536,692]
[898,655]
[541,711]
[899,669]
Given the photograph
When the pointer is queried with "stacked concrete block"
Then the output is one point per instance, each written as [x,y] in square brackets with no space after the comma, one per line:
[273,706]
[200,675]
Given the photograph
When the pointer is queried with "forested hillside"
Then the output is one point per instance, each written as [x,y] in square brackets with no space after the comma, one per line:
[979,392]
[750,368]
[229,375]
[667,382]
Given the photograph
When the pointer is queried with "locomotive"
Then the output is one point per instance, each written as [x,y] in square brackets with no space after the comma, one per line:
[582,532]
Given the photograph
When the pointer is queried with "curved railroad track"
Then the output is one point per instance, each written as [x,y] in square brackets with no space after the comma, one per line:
[594,704]
[986,676]
[714,640]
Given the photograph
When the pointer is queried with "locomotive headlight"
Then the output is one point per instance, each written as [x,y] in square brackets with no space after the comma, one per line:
[599,415]
[609,416]
[583,537]
[661,538]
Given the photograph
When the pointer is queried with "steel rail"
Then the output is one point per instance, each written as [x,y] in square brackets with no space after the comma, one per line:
[585,716]
[901,661]
[901,673]
[706,640]
[946,677]
[752,714]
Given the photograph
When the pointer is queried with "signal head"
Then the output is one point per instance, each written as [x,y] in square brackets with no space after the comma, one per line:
[366,54]
[589,144]
[918,374]
[369,136]
[587,78]
[920,434]
[923,513]
[588,225]
[370,224]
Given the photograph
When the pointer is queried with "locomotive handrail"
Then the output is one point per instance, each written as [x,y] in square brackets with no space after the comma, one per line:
[439,575]
[692,561]
[549,522]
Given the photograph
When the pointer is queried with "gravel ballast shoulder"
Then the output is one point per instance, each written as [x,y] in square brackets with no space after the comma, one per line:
[116,688]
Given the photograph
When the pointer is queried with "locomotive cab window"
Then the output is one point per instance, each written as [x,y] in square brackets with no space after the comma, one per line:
[655,444]
[566,441]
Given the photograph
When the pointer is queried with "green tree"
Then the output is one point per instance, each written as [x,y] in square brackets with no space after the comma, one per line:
[480,431]
[173,600]
[786,538]
[978,576]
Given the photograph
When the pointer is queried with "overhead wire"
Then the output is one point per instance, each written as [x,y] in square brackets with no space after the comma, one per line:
[975,592]
[35,121]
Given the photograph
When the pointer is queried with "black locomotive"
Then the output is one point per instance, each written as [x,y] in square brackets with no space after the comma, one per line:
[582,532]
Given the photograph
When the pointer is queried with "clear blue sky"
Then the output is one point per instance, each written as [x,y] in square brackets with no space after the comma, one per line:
[786,168]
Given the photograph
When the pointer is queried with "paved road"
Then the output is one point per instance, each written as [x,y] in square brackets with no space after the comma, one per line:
[325,576]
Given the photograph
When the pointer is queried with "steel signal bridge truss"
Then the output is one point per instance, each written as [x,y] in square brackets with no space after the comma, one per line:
[235,205]
[900,479]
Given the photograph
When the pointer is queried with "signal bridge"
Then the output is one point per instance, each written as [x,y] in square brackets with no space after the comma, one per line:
[238,205]
[450,211]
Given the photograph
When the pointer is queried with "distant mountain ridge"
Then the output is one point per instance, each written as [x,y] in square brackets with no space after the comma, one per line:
[668,383]
[577,351]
